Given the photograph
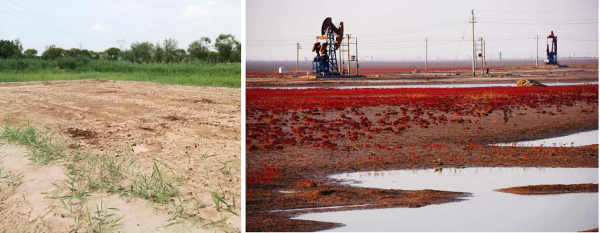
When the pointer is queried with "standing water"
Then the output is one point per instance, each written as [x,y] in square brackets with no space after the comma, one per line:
[486,210]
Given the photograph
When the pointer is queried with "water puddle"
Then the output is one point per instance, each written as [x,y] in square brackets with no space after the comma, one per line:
[486,210]
[423,86]
[578,139]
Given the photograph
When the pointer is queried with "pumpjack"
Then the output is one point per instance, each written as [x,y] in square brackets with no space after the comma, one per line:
[551,49]
[325,63]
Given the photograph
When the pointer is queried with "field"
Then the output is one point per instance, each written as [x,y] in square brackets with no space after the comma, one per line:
[68,68]
[104,156]
[297,138]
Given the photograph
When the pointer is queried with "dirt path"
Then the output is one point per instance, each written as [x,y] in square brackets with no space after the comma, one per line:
[507,75]
[195,130]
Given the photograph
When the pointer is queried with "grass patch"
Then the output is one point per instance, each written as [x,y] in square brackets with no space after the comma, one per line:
[114,172]
[194,73]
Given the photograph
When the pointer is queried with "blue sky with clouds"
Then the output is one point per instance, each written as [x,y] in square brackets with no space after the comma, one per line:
[97,25]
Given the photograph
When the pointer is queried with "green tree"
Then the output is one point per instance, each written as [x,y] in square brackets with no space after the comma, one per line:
[158,54]
[170,45]
[74,52]
[199,49]
[52,52]
[30,53]
[225,44]
[142,52]
[94,55]
[10,49]
[127,55]
[212,56]
[181,55]
[86,53]
[113,53]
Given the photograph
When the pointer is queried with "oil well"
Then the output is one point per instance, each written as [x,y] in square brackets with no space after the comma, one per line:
[326,61]
[551,49]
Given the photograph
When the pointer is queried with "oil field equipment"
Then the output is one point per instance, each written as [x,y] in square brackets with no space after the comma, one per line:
[325,63]
[551,51]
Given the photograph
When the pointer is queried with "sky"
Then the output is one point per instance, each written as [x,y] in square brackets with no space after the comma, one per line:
[392,30]
[98,24]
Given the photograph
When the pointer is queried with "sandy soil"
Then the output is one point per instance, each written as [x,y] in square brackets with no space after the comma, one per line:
[434,147]
[503,75]
[551,189]
[167,122]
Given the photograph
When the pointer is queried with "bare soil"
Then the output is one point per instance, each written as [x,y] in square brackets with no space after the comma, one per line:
[551,189]
[174,124]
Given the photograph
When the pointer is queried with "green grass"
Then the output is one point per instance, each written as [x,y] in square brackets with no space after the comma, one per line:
[107,172]
[186,73]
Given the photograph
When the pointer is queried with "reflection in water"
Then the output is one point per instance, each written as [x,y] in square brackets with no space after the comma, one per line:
[577,139]
[486,210]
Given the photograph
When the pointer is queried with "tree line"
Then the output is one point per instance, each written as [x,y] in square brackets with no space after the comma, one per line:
[225,49]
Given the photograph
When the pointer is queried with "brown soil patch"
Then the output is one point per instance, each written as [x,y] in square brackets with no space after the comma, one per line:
[551,189]
[543,74]
[136,116]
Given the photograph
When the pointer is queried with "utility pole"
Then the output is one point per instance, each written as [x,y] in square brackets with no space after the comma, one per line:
[348,54]
[297,55]
[473,39]
[537,48]
[356,55]
[425,53]
[121,43]
[481,52]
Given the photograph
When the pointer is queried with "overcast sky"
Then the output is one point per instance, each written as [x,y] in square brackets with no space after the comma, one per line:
[397,29]
[97,24]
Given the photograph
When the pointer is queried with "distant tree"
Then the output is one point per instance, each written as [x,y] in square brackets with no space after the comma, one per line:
[159,53]
[236,54]
[74,52]
[127,55]
[170,45]
[113,53]
[30,53]
[10,49]
[212,56]
[52,52]
[199,49]
[86,53]
[225,44]
[181,55]
[94,55]
[142,52]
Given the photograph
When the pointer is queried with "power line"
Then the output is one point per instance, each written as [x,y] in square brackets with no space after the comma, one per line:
[82,32]
[496,22]
[536,11]
[46,25]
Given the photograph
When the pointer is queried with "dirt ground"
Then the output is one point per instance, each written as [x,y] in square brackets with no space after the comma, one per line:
[551,189]
[302,183]
[174,124]
[578,74]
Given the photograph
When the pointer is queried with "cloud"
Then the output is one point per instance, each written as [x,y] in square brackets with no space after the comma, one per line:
[195,12]
[98,27]
[151,26]
[210,3]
